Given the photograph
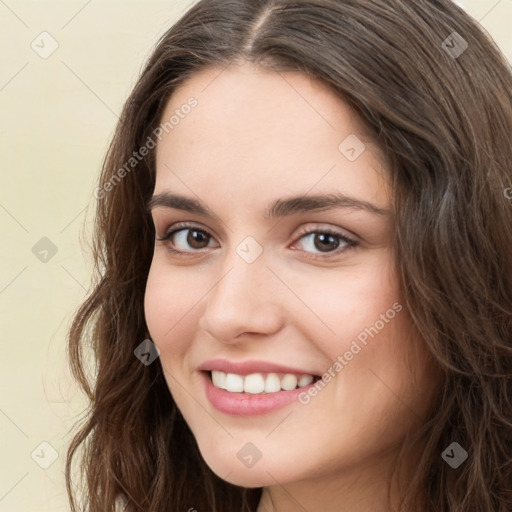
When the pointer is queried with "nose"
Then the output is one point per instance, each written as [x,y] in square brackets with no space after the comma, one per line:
[244,300]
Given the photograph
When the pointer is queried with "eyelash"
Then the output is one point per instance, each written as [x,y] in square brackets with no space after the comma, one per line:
[186,226]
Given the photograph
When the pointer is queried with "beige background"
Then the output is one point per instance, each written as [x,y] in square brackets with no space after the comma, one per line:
[57,116]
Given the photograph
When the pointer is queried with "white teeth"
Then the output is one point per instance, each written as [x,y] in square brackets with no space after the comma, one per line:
[304,380]
[257,383]
[234,383]
[289,382]
[219,379]
[272,383]
[254,383]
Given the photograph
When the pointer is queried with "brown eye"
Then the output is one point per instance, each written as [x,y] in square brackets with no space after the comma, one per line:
[196,239]
[186,239]
[325,242]
[322,241]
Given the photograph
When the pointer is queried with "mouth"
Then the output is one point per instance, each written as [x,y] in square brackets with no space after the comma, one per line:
[256,393]
[260,383]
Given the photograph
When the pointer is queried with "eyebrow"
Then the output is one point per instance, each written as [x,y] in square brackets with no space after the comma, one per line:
[279,208]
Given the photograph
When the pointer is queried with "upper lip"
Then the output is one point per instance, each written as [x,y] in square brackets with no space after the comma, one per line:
[248,367]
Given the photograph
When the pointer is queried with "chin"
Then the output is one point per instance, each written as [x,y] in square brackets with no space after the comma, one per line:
[228,466]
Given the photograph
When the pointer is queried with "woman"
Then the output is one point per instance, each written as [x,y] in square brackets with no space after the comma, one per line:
[304,289]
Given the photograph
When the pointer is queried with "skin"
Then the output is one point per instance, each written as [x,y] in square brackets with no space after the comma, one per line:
[256,136]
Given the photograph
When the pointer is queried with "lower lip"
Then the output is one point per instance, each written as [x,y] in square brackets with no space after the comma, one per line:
[247,404]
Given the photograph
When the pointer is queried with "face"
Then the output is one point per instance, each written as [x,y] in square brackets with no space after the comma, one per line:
[274,275]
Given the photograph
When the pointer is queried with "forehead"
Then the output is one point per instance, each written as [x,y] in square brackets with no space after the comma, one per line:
[256,130]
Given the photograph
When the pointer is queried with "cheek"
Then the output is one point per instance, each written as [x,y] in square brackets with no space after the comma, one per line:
[168,305]
[156,296]
[371,351]
[346,301]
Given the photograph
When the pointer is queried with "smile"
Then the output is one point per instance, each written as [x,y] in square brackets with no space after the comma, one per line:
[252,388]
[257,383]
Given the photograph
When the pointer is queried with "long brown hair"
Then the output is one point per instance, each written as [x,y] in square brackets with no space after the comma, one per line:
[439,105]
